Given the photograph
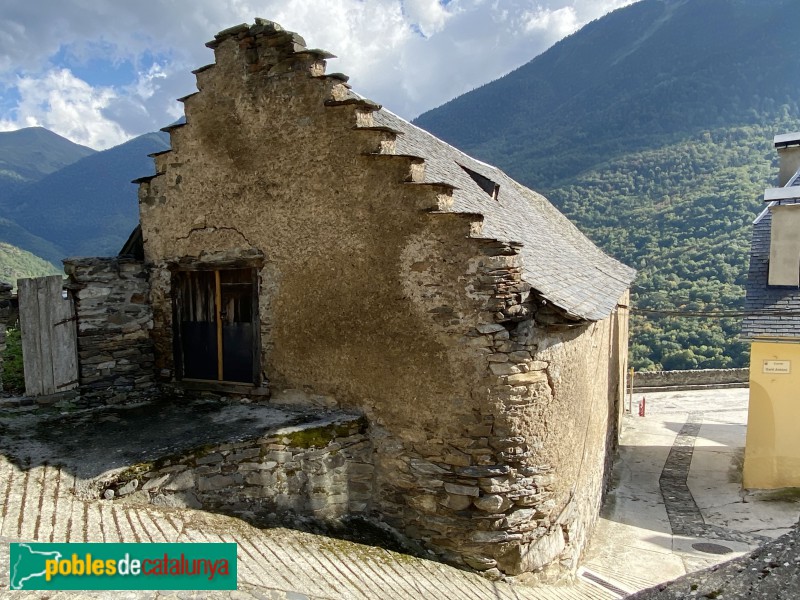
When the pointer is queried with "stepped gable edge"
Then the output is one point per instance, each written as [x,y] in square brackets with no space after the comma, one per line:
[559,261]
[367,263]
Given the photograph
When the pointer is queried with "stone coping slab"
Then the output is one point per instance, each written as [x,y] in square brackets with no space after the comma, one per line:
[91,442]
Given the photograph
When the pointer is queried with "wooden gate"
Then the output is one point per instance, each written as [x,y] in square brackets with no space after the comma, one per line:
[49,336]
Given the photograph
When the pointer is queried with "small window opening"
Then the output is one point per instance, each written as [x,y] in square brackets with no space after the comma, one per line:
[486,184]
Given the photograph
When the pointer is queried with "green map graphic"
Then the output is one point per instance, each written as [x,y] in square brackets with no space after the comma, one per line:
[27,564]
[122,566]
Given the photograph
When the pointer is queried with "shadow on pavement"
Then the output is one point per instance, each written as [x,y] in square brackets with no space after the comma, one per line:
[90,443]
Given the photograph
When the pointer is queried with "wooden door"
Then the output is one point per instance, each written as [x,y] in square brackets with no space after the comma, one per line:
[216,317]
[238,324]
[49,336]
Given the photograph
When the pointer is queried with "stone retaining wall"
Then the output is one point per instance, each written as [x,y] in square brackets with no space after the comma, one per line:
[700,377]
[115,353]
[321,469]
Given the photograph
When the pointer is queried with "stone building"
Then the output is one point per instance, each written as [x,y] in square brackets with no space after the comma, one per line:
[302,244]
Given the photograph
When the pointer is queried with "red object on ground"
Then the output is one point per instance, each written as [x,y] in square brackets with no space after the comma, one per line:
[642,404]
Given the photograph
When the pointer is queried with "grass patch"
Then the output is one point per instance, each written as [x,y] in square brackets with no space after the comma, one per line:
[13,370]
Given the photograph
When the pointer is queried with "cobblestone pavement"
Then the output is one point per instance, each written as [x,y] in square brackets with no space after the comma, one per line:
[39,504]
[682,510]
[685,517]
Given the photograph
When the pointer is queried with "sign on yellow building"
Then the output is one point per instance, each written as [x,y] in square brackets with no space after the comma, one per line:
[772,453]
[772,323]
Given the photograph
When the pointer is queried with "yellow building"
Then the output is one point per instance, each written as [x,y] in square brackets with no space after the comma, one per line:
[772,453]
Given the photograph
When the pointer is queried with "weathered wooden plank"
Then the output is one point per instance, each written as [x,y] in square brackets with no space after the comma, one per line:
[45,333]
[63,337]
[218,319]
[29,329]
[49,336]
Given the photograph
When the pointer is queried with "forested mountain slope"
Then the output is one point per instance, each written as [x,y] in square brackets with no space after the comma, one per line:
[27,155]
[651,128]
[16,263]
[89,207]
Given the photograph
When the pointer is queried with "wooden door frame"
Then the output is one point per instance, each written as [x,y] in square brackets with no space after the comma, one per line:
[177,269]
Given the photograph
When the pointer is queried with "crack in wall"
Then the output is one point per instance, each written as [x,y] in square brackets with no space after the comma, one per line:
[212,230]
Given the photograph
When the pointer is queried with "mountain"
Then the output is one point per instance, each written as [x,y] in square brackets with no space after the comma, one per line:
[89,207]
[11,233]
[27,155]
[16,263]
[651,128]
[642,76]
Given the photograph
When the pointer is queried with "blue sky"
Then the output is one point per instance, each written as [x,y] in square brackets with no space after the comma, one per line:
[100,72]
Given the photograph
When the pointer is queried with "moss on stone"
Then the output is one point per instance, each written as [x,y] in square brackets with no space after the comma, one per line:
[134,472]
[791,494]
[319,437]
[201,451]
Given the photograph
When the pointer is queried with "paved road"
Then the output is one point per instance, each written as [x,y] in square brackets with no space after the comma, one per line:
[677,486]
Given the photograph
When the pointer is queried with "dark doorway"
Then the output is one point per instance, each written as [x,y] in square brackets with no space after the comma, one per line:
[215,324]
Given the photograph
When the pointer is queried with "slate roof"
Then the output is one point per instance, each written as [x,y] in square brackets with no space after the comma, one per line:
[773,311]
[559,262]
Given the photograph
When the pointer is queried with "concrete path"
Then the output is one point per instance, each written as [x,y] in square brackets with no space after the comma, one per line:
[676,505]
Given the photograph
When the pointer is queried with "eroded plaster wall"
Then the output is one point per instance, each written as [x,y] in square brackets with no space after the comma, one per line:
[489,413]
[264,166]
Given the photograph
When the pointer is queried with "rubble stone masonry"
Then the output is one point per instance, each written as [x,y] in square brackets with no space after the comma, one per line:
[320,469]
[492,416]
[114,321]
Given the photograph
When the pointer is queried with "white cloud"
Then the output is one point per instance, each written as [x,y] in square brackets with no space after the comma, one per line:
[429,16]
[557,23]
[68,106]
[409,55]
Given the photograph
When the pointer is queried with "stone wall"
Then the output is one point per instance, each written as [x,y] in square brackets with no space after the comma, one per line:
[510,491]
[322,469]
[519,486]
[644,380]
[115,353]
[492,415]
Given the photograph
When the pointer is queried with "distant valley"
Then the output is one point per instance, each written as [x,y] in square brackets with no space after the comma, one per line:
[59,199]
